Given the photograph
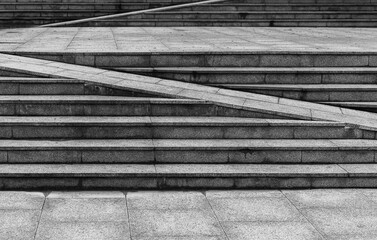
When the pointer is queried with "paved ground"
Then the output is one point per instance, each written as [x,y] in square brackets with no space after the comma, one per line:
[194,39]
[296,214]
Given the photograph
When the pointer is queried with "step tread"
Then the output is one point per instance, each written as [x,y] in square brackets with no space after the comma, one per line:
[93,99]
[38,80]
[192,144]
[229,20]
[192,121]
[188,170]
[254,69]
[262,12]
[313,87]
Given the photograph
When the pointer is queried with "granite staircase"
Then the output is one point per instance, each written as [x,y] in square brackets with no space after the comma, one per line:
[64,133]
[17,13]
[333,79]
[258,13]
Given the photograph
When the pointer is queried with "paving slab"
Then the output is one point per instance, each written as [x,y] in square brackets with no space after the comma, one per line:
[234,214]
[18,223]
[21,200]
[193,222]
[83,231]
[244,194]
[84,210]
[335,222]
[328,198]
[262,230]
[252,209]
[86,194]
[166,200]
[181,238]
[159,39]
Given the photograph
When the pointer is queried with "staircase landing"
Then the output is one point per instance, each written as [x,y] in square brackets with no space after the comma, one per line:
[208,215]
[187,40]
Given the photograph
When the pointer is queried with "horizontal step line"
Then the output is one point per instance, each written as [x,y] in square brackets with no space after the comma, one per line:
[194,144]
[188,170]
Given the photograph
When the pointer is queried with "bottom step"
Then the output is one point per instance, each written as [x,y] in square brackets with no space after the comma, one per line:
[185,176]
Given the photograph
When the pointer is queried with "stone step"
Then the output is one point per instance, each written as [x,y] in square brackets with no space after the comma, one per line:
[76,105]
[211,151]
[200,59]
[23,14]
[77,6]
[172,128]
[312,92]
[281,7]
[257,15]
[58,86]
[193,176]
[221,22]
[301,1]
[255,75]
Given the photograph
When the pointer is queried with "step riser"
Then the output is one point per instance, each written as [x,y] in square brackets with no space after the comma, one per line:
[373,110]
[267,78]
[35,88]
[4,73]
[212,60]
[322,96]
[204,23]
[20,13]
[365,109]
[250,16]
[77,7]
[176,132]
[134,109]
[167,183]
[300,1]
[220,23]
[280,8]
[61,16]
[215,156]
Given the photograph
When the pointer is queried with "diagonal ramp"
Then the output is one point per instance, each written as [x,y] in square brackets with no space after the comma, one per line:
[112,16]
[175,89]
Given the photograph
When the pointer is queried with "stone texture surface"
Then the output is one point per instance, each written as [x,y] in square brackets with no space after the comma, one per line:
[259,103]
[191,215]
[197,39]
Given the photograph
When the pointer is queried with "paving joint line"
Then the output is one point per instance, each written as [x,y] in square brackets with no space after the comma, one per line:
[40,217]
[307,219]
[215,215]
[128,215]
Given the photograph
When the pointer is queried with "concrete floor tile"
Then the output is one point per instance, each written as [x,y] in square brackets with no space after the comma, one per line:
[18,224]
[21,200]
[86,194]
[193,222]
[254,209]
[181,238]
[343,221]
[352,237]
[328,198]
[369,193]
[244,194]
[84,210]
[166,200]
[270,230]
[83,231]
